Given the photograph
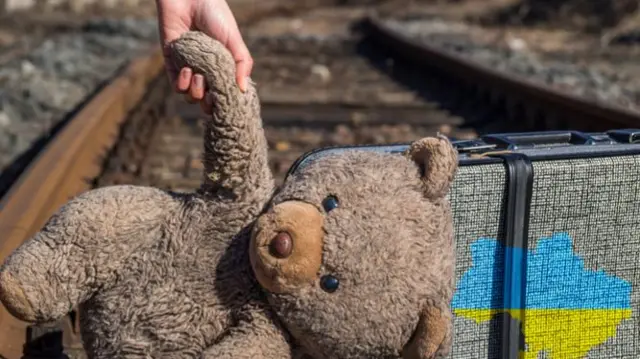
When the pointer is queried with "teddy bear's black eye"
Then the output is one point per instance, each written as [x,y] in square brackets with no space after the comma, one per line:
[330,203]
[329,283]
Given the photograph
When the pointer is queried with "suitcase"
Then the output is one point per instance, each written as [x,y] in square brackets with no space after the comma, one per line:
[547,228]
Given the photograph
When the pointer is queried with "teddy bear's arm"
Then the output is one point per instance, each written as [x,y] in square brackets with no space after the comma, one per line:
[80,249]
[235,147]
[256,337]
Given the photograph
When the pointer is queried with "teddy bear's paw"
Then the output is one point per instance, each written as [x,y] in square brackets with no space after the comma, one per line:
[438,161]
[432,337]
[257,337]
[81,249]
[14,299]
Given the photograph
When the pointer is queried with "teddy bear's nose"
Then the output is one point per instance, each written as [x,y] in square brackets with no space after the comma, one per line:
[281,245]
[286,246]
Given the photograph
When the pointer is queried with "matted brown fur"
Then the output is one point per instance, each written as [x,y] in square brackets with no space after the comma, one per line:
[165,275]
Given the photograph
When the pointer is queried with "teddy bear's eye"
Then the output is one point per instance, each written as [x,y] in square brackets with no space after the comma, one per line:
[330,203]
[329,283]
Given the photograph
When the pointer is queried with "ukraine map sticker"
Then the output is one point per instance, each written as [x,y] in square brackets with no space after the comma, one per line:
[569,309]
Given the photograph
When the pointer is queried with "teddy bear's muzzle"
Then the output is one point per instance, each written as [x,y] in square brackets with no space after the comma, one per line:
[286,246]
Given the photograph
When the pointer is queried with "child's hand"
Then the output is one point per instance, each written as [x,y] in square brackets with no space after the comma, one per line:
[214,18]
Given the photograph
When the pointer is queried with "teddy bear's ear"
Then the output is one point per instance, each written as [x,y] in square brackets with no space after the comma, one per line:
[438,162]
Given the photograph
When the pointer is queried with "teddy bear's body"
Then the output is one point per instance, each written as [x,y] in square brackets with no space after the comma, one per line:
[351,258]
[177,287]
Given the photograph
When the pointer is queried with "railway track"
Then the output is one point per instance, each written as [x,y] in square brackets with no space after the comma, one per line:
[320,83]
[537,106]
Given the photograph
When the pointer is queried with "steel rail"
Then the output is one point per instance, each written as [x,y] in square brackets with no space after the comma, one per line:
[593,115]
[62,169]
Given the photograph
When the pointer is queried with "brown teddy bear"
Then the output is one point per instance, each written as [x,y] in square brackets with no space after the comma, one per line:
[351,258]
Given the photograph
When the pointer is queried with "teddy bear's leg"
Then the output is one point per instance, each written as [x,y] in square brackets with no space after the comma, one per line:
[257,337]
[80,250]
[235,154]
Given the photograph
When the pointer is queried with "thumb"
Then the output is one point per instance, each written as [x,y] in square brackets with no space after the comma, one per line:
[215,19]
[242,57]
[173,21]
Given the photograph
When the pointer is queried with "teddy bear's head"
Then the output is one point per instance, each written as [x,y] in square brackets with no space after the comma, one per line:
[355,253]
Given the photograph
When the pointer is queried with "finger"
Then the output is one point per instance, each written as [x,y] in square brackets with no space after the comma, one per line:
[197,87]
[173,20]
[244,68]
[242,57]
[219,23]
[184,80]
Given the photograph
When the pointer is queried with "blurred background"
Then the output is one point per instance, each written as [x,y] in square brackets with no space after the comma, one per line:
[322,82]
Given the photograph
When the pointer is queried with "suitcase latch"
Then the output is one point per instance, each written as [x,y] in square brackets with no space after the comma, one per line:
[625,136]
[515,141]
[473,146]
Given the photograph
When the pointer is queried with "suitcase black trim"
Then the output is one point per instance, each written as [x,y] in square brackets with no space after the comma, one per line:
[396,148]
[612,143]
[519,192]
[44,341]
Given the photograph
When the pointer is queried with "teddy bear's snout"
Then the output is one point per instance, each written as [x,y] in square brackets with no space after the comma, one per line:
[286,246]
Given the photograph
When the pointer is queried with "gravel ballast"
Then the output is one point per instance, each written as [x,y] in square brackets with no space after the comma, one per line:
[583,80]
[39,89]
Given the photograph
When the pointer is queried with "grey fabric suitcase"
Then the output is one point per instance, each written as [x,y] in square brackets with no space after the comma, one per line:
[547,242]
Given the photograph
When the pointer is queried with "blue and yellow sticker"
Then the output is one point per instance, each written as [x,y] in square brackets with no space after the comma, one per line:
[568,309]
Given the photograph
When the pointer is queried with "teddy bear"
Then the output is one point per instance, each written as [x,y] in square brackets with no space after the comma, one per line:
[352,257]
